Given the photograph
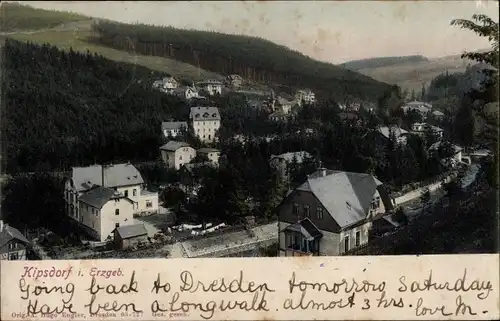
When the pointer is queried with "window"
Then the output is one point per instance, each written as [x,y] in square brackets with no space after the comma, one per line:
[357,240]
[346,243]
[209,136]
[375,203]
[93,225]
[117,224]
[149,204]
[12,246]
[319,212]
[117,212]
[180,157]
[13,256]
[295,209]
[348,205]
[307,212]
[134,192]
[126,193]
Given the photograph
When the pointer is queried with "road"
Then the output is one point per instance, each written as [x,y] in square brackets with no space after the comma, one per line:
[414,207]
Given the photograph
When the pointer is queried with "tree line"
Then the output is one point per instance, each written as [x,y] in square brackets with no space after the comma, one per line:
[251,57]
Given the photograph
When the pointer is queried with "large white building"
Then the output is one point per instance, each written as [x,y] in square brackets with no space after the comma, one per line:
[205,122]
[102,197]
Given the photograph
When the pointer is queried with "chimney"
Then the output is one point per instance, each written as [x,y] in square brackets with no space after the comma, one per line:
[321,169]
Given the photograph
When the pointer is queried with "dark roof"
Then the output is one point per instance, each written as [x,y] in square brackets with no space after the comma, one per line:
[10,233]
[97,196]
[173,146]
[129,231]
[115,175]
[306,228]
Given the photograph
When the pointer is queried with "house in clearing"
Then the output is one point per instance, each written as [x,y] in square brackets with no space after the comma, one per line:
[175,154]
[330,214]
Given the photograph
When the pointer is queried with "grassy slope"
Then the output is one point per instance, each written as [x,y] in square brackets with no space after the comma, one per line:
[411,75]
[381,62]
[14,17]
[66,30]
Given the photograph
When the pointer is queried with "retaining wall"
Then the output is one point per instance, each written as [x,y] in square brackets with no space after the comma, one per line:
[416,193]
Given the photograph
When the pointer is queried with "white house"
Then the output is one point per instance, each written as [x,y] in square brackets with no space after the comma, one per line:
[167,84]
[205,122]
[173,128]
[211,86]
[124,179]
[234,80]
[103,209]
[437,114]
[399,133]
[330,213]
[186,92]
[175,154]
[422,107]
[421,128]
[211,154]
[306,96]
[13,244]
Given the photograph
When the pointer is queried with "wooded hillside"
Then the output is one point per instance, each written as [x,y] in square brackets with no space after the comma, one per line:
[253,58]
[65,109]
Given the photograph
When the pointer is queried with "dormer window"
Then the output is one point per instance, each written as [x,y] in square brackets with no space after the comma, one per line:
[348,205]
[205,115]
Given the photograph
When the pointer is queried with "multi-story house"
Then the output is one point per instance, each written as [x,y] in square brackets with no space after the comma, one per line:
[212,154]
[330,214]
[421,128]
[103,209]
[281,162]
[211,87]
[167,84]
[305,96]
[176,154]
[205,122]
[13,244]
[172,129]
[399,133]
[124,179]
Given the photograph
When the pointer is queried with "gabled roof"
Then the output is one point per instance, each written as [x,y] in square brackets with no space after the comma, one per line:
[114,176]
[98,196]
[129,231]
[289,157]
[10,233]
[398,131]
[204,113]
[346,196]
[306,228]
[168,125]
[173,146]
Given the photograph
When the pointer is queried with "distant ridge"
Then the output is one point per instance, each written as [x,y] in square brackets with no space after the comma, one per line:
[382,62]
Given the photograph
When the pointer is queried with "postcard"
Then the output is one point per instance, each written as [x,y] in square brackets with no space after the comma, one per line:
[307,145]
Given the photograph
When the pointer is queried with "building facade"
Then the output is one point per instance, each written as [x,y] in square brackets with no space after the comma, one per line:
[211,87]
[205,122]
[329,214]
[211,154]
[127,185]
[176,154]
[172,129]
[13,244]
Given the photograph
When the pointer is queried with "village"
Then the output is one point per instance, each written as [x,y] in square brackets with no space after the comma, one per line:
[142,140]
[332,212]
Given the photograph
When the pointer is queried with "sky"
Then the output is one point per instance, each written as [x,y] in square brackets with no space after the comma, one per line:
[331,31]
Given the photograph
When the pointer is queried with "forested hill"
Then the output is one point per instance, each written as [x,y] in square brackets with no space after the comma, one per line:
[381,62]
[253,58]
[62,109]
